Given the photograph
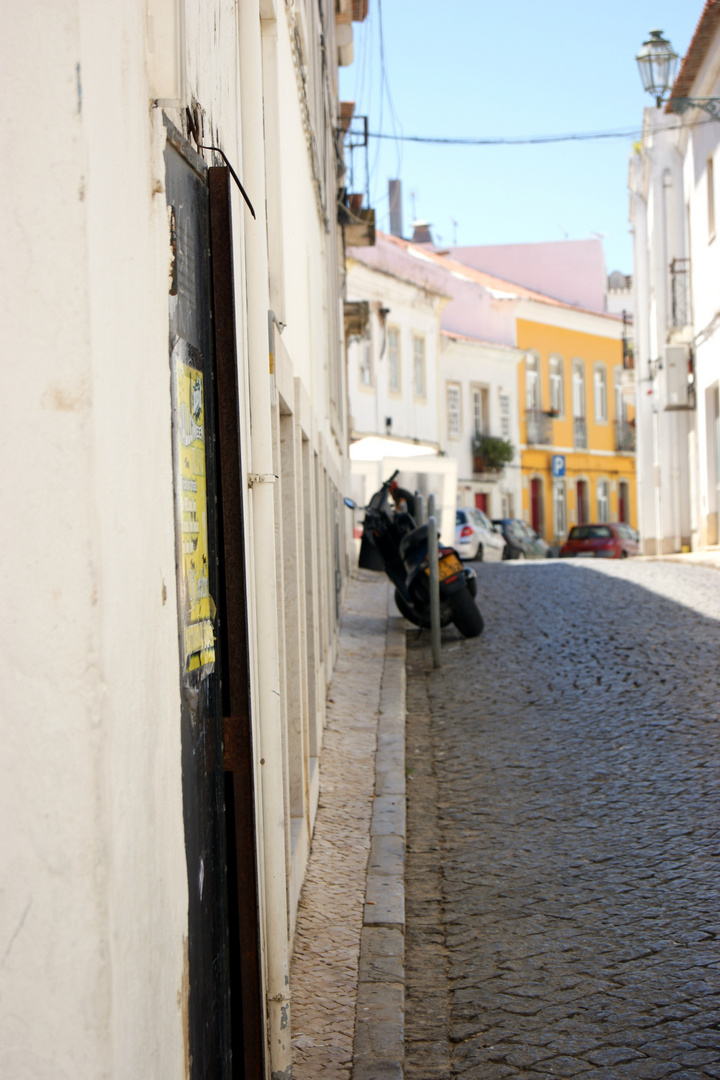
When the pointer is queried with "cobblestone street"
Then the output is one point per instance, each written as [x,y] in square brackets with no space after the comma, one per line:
[563,863]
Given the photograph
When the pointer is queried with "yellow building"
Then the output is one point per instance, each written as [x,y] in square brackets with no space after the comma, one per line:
[577,428]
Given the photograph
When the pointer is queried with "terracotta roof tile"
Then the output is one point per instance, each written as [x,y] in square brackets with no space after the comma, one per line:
[697,50]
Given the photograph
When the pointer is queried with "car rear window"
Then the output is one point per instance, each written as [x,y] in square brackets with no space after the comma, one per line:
[590,532]
[460,518]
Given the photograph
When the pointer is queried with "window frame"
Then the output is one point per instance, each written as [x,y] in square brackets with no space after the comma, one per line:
[604,481]
[600,378]
[578,379]
[394,390]
[419,339]
[505,416]
[557,379]
[453,387]
[365,351]
[532,365]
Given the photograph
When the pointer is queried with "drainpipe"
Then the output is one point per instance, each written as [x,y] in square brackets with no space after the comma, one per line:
[267,693]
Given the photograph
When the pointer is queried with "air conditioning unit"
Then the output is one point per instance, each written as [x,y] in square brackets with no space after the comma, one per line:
[678,377]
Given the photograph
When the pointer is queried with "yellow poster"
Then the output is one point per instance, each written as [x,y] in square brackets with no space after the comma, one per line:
[197,610]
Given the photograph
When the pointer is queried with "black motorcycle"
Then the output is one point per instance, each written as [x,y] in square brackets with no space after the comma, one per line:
[393,543]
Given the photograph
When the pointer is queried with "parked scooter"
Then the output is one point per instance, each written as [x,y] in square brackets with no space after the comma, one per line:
[393,543]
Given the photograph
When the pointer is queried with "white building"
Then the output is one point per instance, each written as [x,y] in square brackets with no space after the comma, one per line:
[176,523]
[438,363]
[480,399]
[677,282]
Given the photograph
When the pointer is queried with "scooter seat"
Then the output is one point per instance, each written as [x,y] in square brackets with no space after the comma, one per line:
[417,536]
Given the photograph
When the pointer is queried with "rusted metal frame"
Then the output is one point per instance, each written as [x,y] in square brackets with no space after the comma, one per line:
[247,1022]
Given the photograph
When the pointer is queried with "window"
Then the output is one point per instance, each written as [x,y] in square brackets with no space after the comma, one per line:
[453,406]
[710,174]
[532,381]
[393,345]
[603,500]
[557,386]
[505,416]
[618,394]
[578,383]
[559,512]
[366,372]
[419,367]
[600,393]
[481,411]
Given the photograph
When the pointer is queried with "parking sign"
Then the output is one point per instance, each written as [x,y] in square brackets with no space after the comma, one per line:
[558,465]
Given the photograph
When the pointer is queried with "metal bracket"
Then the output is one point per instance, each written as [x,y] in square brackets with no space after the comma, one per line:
[261,478]
[709,105]
[234,175]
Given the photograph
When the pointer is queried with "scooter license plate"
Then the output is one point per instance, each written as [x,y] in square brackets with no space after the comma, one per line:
[447,566]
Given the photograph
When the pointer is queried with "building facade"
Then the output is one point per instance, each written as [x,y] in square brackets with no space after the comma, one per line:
[673,192]
[480,411]
[577,427]
[172,279]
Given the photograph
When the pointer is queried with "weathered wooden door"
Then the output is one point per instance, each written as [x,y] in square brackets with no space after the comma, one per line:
[225,1016]
[191,360]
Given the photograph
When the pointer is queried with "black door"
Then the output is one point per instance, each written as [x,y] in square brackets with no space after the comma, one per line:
[191,361]
[226,1015]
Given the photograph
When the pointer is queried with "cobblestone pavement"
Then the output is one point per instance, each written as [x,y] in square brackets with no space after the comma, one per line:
[324,972]
[563,866]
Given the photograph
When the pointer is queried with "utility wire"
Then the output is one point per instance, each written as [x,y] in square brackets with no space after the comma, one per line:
[583,136]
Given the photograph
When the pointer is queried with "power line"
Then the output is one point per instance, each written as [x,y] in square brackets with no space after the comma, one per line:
[583,136]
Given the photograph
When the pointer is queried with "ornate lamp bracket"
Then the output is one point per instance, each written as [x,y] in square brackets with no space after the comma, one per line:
[709,105]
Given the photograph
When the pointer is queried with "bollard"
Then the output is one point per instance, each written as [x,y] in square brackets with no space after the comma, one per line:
[419,509]
[434,589]
[431,505]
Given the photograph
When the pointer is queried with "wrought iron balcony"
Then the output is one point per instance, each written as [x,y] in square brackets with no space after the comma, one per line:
[539,428]
[580,432]
[624,437]
[680,308]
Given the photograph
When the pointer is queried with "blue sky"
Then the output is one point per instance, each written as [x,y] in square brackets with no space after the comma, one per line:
[510,68]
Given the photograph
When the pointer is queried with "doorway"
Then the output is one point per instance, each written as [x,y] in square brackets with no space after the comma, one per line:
[481,500]
[582,501]
[537,515]
[624,502]
[224,1005]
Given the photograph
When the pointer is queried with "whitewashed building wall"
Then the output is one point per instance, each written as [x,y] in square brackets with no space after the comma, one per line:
[95,979]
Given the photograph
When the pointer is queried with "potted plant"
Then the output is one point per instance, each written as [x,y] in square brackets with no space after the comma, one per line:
[491,454]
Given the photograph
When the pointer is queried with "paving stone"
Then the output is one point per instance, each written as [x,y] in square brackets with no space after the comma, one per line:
[329,926]
[564,827]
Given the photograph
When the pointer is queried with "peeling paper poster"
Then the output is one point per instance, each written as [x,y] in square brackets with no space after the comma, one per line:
[197,610]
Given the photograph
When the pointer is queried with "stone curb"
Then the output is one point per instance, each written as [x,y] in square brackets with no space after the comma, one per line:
[379,1048]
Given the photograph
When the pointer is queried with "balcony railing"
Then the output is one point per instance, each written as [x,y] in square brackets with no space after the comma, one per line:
[624,437]
[580,432]
[539,428]
[680,310]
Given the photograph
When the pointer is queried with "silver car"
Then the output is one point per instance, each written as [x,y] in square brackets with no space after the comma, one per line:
[475,537]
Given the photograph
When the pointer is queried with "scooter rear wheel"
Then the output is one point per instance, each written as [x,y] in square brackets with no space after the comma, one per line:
[412,615]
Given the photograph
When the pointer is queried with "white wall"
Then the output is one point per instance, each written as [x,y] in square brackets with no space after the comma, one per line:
[472,364]
[93,917]
[413,311]
[657,215]
[95,884]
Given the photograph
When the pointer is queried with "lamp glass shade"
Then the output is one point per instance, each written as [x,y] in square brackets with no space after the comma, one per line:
[657,62]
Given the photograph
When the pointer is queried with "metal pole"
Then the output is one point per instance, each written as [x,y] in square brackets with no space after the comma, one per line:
[419,509]
[434,590]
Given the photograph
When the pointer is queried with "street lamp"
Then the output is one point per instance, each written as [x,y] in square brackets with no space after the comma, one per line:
[657,62]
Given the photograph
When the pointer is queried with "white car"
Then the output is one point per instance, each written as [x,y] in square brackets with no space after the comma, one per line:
[475,536]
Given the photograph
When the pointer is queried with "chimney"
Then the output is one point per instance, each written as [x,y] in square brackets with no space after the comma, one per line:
[421,233]
[395,195]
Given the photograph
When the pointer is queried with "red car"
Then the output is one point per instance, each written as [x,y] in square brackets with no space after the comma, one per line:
[612,541]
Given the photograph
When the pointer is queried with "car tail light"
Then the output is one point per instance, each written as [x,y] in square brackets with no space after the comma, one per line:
[466,531]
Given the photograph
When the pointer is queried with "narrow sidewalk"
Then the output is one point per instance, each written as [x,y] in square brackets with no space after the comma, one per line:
[347,975]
